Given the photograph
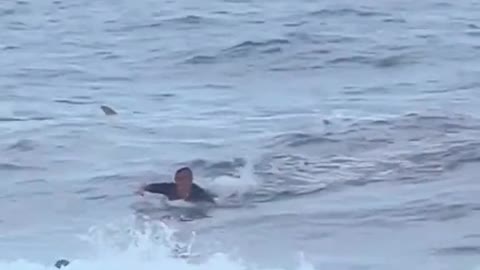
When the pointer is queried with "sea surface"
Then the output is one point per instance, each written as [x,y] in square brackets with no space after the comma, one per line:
[336,134]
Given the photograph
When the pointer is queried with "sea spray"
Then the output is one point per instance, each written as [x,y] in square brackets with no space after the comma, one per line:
[153,245]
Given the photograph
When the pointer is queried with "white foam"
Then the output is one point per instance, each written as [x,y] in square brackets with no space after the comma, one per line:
[229,186]
[148,248]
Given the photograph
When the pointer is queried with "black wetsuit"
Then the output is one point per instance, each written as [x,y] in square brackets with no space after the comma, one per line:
[197,194]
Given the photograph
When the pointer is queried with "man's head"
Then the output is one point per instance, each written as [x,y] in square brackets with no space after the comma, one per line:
[184,180]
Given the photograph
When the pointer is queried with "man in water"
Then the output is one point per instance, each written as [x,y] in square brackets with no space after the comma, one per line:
[182,189]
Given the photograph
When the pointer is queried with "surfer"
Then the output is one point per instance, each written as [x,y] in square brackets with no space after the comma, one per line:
[182,189]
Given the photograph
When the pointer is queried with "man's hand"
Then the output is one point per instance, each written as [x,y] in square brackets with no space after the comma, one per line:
[141,190]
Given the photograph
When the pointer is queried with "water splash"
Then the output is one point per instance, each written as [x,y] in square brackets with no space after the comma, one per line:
[142,246]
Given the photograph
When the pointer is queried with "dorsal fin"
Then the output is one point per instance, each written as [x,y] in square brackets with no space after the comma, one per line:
[107,110]
[61,263]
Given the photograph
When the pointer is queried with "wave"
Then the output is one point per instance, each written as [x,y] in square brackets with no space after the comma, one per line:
[114,246]
[23,145]
[73,102]
[348,12]
[189,19]
[17,119]
[212,168]
[244,49]
[460,250]
[410,148]
[181,22]
[17,167]
[387,61]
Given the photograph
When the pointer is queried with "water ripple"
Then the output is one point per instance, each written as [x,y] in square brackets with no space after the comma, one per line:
[23,145]
[373,152]
[347,12]
[215,168]
[17,167]
[243,49]
[73,102]
[459,250]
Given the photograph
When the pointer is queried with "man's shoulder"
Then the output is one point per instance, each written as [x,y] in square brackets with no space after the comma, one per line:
[197,188]
[201,194]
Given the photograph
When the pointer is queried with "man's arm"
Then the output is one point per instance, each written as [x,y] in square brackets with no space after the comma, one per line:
[160,188]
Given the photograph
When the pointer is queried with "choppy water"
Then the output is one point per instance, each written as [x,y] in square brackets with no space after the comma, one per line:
[349,129]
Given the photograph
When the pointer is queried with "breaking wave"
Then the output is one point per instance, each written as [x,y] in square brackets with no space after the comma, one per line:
[149,246]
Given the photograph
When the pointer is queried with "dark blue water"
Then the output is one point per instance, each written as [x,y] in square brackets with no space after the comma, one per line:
[349,130]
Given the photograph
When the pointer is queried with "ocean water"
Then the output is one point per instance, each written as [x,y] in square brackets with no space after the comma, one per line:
[336,134]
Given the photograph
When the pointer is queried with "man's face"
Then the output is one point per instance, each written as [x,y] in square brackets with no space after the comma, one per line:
[184,183]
